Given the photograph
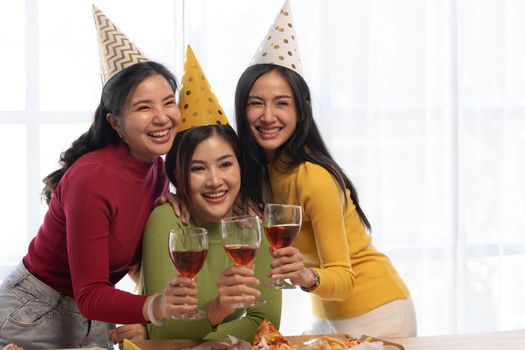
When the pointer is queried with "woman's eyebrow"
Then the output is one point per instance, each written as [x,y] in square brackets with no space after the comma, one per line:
[198,161]
[226,156]
[170,96]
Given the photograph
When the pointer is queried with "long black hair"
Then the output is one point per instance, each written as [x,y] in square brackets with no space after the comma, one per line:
[305,144]
[178,159]
[100,134]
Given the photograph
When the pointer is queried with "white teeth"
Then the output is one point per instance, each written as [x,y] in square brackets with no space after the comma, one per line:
[159,133]
[269,131]
[215,195]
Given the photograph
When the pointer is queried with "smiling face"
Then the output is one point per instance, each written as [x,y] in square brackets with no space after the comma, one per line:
[214,179]
[271,112]
[150,119]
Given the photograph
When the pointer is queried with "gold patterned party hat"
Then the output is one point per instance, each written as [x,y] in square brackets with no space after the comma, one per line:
[197,102]
[116,51]
[279,46]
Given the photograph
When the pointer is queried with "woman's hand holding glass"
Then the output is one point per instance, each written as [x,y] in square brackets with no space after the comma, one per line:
[288,263]
[179,300]
[282,223]
[234,287]
[188,248]
[241,238]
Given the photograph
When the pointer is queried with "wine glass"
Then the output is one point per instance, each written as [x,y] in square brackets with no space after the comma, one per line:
[188,247]
[282,223]
[241,238]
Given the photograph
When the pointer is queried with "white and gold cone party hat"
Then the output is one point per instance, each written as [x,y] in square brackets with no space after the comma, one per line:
[197,102]
[116,51]
[279,46]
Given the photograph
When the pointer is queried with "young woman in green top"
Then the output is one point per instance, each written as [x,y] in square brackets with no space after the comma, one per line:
[205,167]
[207,173]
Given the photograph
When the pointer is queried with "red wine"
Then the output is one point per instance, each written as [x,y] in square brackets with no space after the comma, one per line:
[241,254]
[188,262]
[281,236]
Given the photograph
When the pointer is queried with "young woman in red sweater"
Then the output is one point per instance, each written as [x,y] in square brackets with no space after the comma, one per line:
[62,294]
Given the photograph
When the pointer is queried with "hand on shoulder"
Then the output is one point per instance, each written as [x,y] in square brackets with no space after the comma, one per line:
[179,207]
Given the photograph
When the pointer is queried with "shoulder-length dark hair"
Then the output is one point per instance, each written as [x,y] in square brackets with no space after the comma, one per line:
[305,144]
[100,134]
[178,159]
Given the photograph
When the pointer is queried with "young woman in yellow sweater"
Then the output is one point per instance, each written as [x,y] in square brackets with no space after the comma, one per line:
[354,288]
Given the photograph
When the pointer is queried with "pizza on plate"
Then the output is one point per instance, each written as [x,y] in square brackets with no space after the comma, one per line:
[269,338]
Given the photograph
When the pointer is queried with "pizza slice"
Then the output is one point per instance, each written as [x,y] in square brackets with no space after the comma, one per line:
[334,343]
[269,337]
[12,346]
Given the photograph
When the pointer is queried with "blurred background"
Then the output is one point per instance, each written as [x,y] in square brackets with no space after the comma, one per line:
[421,101]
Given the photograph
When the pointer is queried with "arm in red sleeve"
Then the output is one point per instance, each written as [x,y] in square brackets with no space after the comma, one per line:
[91,203]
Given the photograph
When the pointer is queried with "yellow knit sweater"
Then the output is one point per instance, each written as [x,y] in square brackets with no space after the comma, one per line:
[355,277]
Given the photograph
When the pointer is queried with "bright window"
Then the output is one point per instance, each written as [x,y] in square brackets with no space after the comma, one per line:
[421,101]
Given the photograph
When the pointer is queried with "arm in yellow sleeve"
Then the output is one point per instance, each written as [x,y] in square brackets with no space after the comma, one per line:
[323,204]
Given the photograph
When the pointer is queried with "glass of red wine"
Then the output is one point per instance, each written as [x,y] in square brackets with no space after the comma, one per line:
[188,248]
[282,223]
[241,238]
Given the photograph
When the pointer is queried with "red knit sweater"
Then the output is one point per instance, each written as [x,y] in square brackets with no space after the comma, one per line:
[92,232]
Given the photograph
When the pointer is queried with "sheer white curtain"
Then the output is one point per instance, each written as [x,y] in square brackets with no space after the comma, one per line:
[421,101]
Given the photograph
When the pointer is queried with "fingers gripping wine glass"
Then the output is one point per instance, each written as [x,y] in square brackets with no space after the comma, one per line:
[241,238]
[188,247]
[282,223]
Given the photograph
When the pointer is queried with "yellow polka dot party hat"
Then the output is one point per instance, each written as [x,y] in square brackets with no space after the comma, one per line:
[116,51]
[197,102]
[279,46]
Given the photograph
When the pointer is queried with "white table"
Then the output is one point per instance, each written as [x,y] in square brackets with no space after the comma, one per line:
[505,340]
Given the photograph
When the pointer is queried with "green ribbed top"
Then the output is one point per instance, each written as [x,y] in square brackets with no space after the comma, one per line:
[157,270]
